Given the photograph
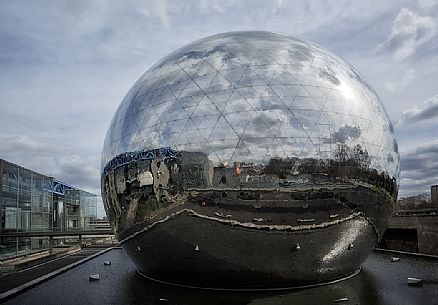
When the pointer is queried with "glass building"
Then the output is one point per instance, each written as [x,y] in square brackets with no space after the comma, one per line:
[247,160]
[30,201]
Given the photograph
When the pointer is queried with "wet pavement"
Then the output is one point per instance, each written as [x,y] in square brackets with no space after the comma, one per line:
[14,280]
[380,282]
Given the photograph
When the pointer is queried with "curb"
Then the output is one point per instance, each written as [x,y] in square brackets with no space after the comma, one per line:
[37,281]
[406,253]
[54,258]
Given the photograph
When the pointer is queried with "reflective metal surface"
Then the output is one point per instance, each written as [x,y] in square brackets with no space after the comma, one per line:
[249,160]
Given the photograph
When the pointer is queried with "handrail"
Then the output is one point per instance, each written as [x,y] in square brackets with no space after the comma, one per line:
[57,233]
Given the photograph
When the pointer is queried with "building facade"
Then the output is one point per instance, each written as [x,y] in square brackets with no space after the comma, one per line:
[30,201]
[434,194]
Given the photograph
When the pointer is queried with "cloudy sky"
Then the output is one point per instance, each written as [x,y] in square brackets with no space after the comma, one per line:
[65,66]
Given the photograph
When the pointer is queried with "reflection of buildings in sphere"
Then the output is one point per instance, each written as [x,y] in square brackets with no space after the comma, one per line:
[246,145]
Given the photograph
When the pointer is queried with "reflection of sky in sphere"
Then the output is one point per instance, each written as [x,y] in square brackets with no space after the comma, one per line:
[253,96]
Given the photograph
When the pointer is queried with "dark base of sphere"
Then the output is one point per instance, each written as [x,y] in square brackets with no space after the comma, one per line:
[198,252]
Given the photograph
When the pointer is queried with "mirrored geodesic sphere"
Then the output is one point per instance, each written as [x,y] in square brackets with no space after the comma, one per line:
[249,156]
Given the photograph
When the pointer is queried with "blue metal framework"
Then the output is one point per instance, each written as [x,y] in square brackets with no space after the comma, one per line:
[128,157]
[59,187]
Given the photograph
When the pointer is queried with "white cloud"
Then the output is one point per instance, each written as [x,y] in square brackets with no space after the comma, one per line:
[66,65]
[211,6]
[401,84]
[156,8]
[277,6]
[45,156]
[419,168]
[423,6]
[426,111]
[23,144]
[409,32]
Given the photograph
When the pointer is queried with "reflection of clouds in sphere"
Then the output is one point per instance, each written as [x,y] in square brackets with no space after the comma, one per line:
[253,96]
[255,139]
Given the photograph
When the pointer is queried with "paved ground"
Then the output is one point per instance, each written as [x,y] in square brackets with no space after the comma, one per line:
[380,282]
[14,280]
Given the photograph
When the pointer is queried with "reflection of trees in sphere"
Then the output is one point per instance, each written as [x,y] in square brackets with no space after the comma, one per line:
[244,145]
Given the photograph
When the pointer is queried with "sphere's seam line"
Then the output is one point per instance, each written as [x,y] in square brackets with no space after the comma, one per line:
[293,114]
[215,106]
[220,112]
[349,276]
[247,225]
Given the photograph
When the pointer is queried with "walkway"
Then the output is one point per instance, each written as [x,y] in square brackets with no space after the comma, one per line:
[24,276]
